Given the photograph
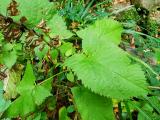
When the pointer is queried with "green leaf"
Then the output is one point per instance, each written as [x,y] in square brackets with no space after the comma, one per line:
[41,53]
[28,82]
[39,94]
[44,116]
[157,54]
[30,94]
[51,103]
[143,115]
[58,28]
[103,67]
[40,91]
[70,76]
[54,54]
[7,47]
[18,47]
[3,6]
[70,109]
[33,10]
[21,106]
[63,114]
[154,102]
[66,49]
[103,30]
[3,103]
[92,106]
[47,84]
[9,58]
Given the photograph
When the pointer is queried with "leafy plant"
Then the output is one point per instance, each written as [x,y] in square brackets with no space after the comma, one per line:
[97,64]
[51,72]
[30,95]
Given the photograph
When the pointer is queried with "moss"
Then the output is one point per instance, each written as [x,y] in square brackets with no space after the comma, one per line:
[152,27]
[128,15]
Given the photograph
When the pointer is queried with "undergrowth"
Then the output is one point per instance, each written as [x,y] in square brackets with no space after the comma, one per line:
[71,60]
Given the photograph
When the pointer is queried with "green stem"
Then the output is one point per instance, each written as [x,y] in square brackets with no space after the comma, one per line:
[128,110]
[52,77]
[143,63]
[120,111]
